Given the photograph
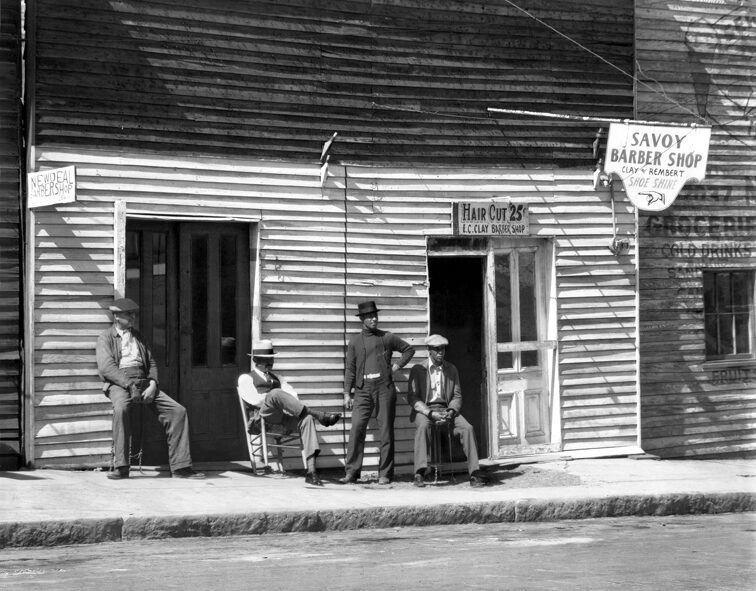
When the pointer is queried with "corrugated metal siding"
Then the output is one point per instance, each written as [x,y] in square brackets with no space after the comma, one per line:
[361,237]
[400,80]
[699,54]
[10,235]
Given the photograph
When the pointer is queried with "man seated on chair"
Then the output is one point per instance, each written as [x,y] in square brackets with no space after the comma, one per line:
[129,374]
[435,396]
[278,405]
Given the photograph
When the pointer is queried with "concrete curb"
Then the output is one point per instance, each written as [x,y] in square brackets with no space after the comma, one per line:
[52,533]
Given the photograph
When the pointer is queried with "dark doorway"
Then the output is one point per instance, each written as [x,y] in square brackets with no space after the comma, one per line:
[456,311]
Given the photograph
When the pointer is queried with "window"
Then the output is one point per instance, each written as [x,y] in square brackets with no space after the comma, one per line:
[729,314]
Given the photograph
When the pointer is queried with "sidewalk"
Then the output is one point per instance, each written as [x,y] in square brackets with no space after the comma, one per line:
[52,507]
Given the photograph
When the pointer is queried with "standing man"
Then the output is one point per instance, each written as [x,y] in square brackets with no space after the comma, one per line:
[370,372]
[435,396]
[278,404]
[129,374]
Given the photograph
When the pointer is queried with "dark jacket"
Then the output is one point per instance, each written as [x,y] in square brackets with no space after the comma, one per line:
[419,389]
[355,358]
[109,356]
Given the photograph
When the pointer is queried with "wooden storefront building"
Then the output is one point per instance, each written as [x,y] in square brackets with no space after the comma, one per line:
[196,132]
[698,258]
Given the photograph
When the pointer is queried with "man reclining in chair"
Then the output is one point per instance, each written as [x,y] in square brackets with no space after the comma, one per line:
[278,404]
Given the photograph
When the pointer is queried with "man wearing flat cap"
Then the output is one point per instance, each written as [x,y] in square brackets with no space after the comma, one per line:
[129,374]
[435,396]
[277,404]
[370,371]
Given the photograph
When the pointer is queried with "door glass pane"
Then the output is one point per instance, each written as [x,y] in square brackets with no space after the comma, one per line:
[159,295]
[228,299]
[503,282]
[528,318]
[199,300]
[133,258]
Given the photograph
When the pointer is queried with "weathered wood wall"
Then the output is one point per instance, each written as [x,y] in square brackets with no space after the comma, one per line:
[701,55]
[400,80]
[362,236]
[10,234]
[222,107]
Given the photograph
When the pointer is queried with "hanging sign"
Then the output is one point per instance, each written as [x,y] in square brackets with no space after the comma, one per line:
[655,161]
[51,187]
[490,218]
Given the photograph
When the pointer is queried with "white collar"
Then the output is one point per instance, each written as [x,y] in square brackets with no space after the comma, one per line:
[122,331]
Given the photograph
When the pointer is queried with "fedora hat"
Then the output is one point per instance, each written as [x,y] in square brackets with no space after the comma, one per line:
[123,305]
[366,308]
[263,349]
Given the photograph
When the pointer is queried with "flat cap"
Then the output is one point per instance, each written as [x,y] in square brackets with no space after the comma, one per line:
[123,305]
[436,340]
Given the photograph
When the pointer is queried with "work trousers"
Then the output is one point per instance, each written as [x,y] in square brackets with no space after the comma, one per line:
[462,429]
[170,414]
[380,396]
[281,408]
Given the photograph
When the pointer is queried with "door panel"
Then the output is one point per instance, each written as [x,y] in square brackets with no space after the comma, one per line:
[517,347]
[150,256]
[214,335]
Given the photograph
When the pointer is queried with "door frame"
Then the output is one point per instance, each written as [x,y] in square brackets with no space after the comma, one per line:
[124,211]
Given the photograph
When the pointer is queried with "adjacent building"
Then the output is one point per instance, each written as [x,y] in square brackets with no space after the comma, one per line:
[698,258]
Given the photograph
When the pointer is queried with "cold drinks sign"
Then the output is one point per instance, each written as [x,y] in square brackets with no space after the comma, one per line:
[655,161]
[490,218]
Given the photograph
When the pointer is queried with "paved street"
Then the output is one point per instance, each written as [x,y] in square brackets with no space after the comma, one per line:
[685,553]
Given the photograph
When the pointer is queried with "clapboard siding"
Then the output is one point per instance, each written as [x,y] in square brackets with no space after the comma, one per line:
[699,54]
[362,236]
[10,235]
[401,81]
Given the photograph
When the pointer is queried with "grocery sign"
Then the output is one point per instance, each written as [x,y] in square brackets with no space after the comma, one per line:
[655,161]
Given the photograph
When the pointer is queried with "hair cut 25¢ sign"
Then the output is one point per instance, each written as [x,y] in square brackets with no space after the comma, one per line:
[490,218]
[655,161]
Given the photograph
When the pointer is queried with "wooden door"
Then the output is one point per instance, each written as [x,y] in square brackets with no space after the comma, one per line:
[519,356]
[191,281]
[214,335]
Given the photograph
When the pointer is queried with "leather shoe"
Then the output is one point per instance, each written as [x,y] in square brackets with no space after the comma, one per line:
[188,473]
[330,418]
[313,478]
[419,480]
[348,479]
[383,480]
[119,473]
[477,481]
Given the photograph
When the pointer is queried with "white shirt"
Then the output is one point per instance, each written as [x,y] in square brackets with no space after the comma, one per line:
[436,383]
[130,356]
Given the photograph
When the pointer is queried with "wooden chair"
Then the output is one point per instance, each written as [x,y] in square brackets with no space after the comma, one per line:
[260,445]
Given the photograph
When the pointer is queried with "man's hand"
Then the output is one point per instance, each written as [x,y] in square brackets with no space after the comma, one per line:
[437,416]
[149,394]
[449,414]
[348,402]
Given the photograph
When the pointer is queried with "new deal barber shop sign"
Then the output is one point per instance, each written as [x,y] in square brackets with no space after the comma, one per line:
[490,218]
[655,161]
